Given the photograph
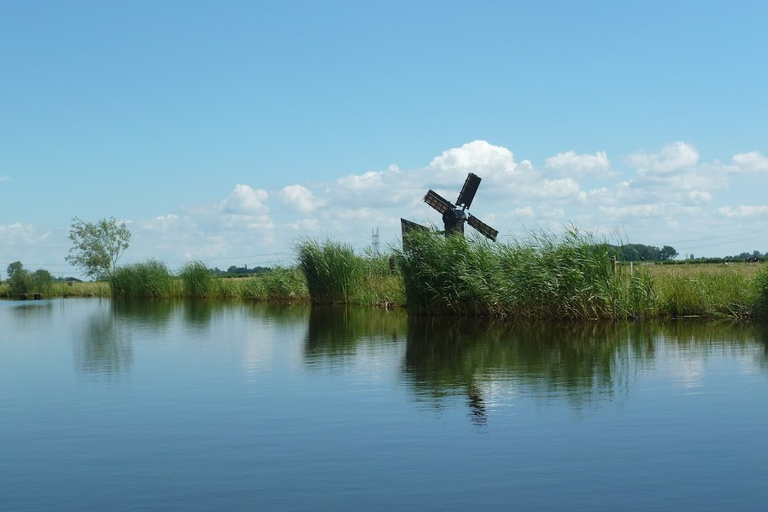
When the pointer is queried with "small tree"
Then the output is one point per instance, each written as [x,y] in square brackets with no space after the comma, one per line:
[41,281]
[18,279]
[97,246]
[667,253]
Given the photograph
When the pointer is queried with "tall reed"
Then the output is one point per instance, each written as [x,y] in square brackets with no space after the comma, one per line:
[197,279]
[761,293]
[451,275]
[332,270]
[150,279]
[543,276]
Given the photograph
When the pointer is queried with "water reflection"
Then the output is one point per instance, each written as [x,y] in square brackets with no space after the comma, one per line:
[490,365]
[30,311]
[335,334]
[151,315]
[102,347]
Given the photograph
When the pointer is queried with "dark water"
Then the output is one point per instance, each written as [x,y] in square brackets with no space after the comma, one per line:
[160,406]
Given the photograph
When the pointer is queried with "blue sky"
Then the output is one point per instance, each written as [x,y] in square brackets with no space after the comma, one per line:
[225,131]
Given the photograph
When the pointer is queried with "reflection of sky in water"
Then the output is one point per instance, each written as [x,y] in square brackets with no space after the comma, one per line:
[238,406]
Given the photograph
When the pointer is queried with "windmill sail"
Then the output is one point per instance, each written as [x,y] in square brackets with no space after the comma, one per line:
[438,202]
[454,216]
[482,227]
[469,190]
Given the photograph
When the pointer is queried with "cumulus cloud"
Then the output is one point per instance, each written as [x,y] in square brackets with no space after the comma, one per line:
[580,165]
[161,223]
[477,156]
[672,157]
[664,197]
[556,189]
[742,211]
[750,162]
[367,182]
[18,232]
[298,197]
[635,210]
[245,200]
[699,196]
[525,211]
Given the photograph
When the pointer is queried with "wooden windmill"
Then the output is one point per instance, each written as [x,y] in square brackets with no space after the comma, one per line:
[454,215]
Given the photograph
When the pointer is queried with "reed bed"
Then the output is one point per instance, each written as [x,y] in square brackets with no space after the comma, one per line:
[197,280]
[566,277]
[332,270]
[153,280]
[147,280]
[542,277]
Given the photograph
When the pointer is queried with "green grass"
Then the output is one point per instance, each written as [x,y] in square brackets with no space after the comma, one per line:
[542,277]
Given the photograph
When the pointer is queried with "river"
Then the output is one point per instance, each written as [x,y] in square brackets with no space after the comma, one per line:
[234,406]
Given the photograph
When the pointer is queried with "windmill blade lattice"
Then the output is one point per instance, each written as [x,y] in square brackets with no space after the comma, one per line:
[454,216]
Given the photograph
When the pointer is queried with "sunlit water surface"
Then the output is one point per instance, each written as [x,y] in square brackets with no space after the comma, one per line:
[210,406]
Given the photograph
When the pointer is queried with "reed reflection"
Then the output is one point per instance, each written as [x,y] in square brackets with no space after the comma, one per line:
[103,347]
[583,364]
[31,311]
[336,333]
[154,315]
[577,363]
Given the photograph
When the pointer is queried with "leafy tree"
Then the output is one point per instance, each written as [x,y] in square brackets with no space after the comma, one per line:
[18,278]
[97,246]
[667,253]
[14,269]
[41,281]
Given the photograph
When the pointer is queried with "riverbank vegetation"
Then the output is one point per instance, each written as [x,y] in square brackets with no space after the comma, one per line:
[568,277]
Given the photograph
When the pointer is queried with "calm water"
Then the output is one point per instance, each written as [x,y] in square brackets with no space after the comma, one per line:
[188,407]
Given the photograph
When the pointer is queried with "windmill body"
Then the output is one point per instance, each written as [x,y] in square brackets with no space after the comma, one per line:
[456,215]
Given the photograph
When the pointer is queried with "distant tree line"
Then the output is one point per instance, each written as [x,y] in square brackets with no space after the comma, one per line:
[749,255]
[21,281]
[235,271]
[640,252]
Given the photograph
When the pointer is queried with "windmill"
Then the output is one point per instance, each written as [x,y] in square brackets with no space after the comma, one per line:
[454,216]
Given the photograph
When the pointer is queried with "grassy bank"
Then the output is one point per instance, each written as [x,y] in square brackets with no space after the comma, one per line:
[152,279]
[569,277]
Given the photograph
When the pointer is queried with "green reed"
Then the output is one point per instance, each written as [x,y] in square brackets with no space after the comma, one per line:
[150,279]
[332,270]
[197,280]
[568,277]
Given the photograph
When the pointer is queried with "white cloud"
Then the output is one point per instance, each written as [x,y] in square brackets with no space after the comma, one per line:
[669,196]
[18,233]
[750,162]
[556,189]
[477,156]
[672,157]
[311,225]
[245,200]
[367,182]
[526,211]
[699,196]
[636,210]
[742,211]
[5,178]
[580,165]
[298,197]
[161,223]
